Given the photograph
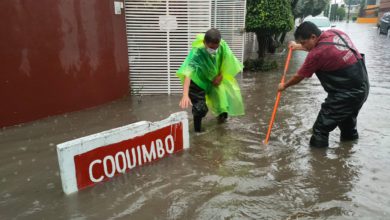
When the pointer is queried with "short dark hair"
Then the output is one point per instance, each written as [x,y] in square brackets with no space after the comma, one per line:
[212,36]
[305,30]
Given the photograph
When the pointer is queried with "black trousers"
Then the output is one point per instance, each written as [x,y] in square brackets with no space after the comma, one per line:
[199,107]
[347,89]
[336,112]
[198,99]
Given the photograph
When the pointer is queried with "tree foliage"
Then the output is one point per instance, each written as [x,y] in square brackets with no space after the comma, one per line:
[269,16]
[333,12]
[305,8]
[326,10]
[268,19]
[341,13]
[361,9]
[272,19]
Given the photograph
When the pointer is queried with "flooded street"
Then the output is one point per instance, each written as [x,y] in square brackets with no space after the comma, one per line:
[227,173]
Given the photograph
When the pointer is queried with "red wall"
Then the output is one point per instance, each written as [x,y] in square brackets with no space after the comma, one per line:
[58,56]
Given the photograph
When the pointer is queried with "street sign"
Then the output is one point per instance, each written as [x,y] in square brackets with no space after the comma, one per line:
[96,158]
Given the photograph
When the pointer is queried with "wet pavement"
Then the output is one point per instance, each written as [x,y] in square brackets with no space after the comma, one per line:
[227,173]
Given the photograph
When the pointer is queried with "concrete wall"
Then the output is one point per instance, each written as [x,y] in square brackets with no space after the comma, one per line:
[59,56]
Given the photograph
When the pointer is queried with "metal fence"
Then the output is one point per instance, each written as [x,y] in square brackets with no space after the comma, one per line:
[160,32]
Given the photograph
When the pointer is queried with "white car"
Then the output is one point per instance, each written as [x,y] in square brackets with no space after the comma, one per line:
[322,23]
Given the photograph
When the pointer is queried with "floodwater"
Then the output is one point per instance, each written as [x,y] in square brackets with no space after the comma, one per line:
[227,173]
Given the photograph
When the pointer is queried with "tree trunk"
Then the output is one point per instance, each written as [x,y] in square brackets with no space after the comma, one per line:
[262,41]
[281,39]
[272,43]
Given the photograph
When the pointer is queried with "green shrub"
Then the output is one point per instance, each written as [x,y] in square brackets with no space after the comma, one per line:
[260,65]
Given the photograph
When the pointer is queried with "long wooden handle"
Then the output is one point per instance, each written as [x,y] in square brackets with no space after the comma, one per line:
[271,122]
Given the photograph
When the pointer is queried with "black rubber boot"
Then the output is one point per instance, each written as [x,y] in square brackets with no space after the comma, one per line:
[197,123]
[319,141]
[348,128]
[222,117]
[349,137]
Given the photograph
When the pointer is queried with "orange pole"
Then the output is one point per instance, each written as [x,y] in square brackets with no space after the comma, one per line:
[278,97]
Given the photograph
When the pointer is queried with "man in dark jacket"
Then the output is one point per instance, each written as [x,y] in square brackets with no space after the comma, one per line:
[342,73]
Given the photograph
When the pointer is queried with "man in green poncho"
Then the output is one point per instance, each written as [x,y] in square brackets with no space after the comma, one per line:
[208,79]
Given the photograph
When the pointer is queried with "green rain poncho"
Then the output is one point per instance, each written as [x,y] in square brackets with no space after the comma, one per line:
[202,68]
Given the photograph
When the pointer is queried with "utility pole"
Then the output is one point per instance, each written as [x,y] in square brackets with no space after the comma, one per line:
[349,9]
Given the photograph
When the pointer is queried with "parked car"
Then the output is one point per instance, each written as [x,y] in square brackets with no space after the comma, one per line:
[322,23]
[384,24]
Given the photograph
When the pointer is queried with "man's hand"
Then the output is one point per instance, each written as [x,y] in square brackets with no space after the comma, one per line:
[281,87]
[185,102]
[295,79]
[217,80]
[293,45]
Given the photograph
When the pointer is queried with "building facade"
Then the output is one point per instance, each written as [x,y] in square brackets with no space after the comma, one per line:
[384,7]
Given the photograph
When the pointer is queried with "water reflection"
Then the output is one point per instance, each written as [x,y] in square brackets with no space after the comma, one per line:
[325,188]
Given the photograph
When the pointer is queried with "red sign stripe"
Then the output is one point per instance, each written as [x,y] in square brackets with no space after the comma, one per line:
[105,162]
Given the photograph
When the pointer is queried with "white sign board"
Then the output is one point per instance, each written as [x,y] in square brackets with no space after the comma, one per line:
[96,158]
[168,23]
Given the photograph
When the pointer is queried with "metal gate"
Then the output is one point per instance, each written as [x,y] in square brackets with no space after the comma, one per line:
[228,16]
[160,33]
